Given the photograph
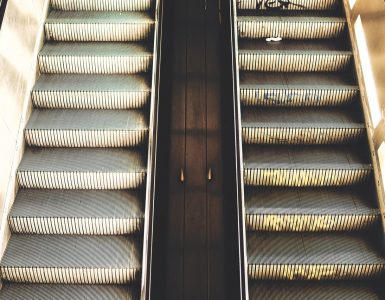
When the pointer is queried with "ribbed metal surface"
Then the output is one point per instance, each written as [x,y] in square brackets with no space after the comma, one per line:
[296,97]
[300,126]
[288,5]
[310,209]
[94,58]
[68,291]
[310,256]
[77,212]
[287,61]
[300,290]
[98,26]
[78,218]
[94,168]
[86,128]
[71,259]
[304,166]
[311,212]
[290,27]
[297,134]
[91,91]
[296,89]
[102,5]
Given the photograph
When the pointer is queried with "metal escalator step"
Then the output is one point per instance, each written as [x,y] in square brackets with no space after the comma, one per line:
[102,5]
[296,89]
[290,25]
[304,290]
[294,55]
[77,212]
[313,256]
[71,259]
[310,209]
[77,168]
[301,126]
[91,91]
[95,58]
[289,5]
[86,128]
[103,26]
[16,291]
[305,166]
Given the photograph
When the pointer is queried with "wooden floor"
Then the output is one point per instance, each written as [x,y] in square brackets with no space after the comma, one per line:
[193,257]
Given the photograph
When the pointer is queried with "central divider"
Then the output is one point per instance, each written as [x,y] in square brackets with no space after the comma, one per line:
[196,238]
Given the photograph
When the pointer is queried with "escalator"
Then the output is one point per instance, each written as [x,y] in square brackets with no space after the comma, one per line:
[311,222]
[81,223]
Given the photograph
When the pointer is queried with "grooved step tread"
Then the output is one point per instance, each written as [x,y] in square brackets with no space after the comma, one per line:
[72,251]
[92,83]
[72,259]
[95,17]
[315,89]
[95,58]
[88,120]
[301,118]
[37,211]
[98,160]
[291,15]
[110,5]
[98,49]
[341,248]
[290,24]
[92,91]
[13,291]
[306,209]
[283,80]
[86,128]
[317,201]
[306,157]
[299,290]
[300,46]
[39,203]
[291,5]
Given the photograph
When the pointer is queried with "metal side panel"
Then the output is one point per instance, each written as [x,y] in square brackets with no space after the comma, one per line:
[364,99]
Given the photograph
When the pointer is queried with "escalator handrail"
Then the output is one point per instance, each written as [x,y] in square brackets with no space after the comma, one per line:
[3,5]
[152,149]
[238,155]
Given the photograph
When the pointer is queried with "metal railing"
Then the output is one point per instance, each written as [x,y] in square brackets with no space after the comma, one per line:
[238,155]
[152,150]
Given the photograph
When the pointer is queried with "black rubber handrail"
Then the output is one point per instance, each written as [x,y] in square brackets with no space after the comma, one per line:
[3,5]
[152,151]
